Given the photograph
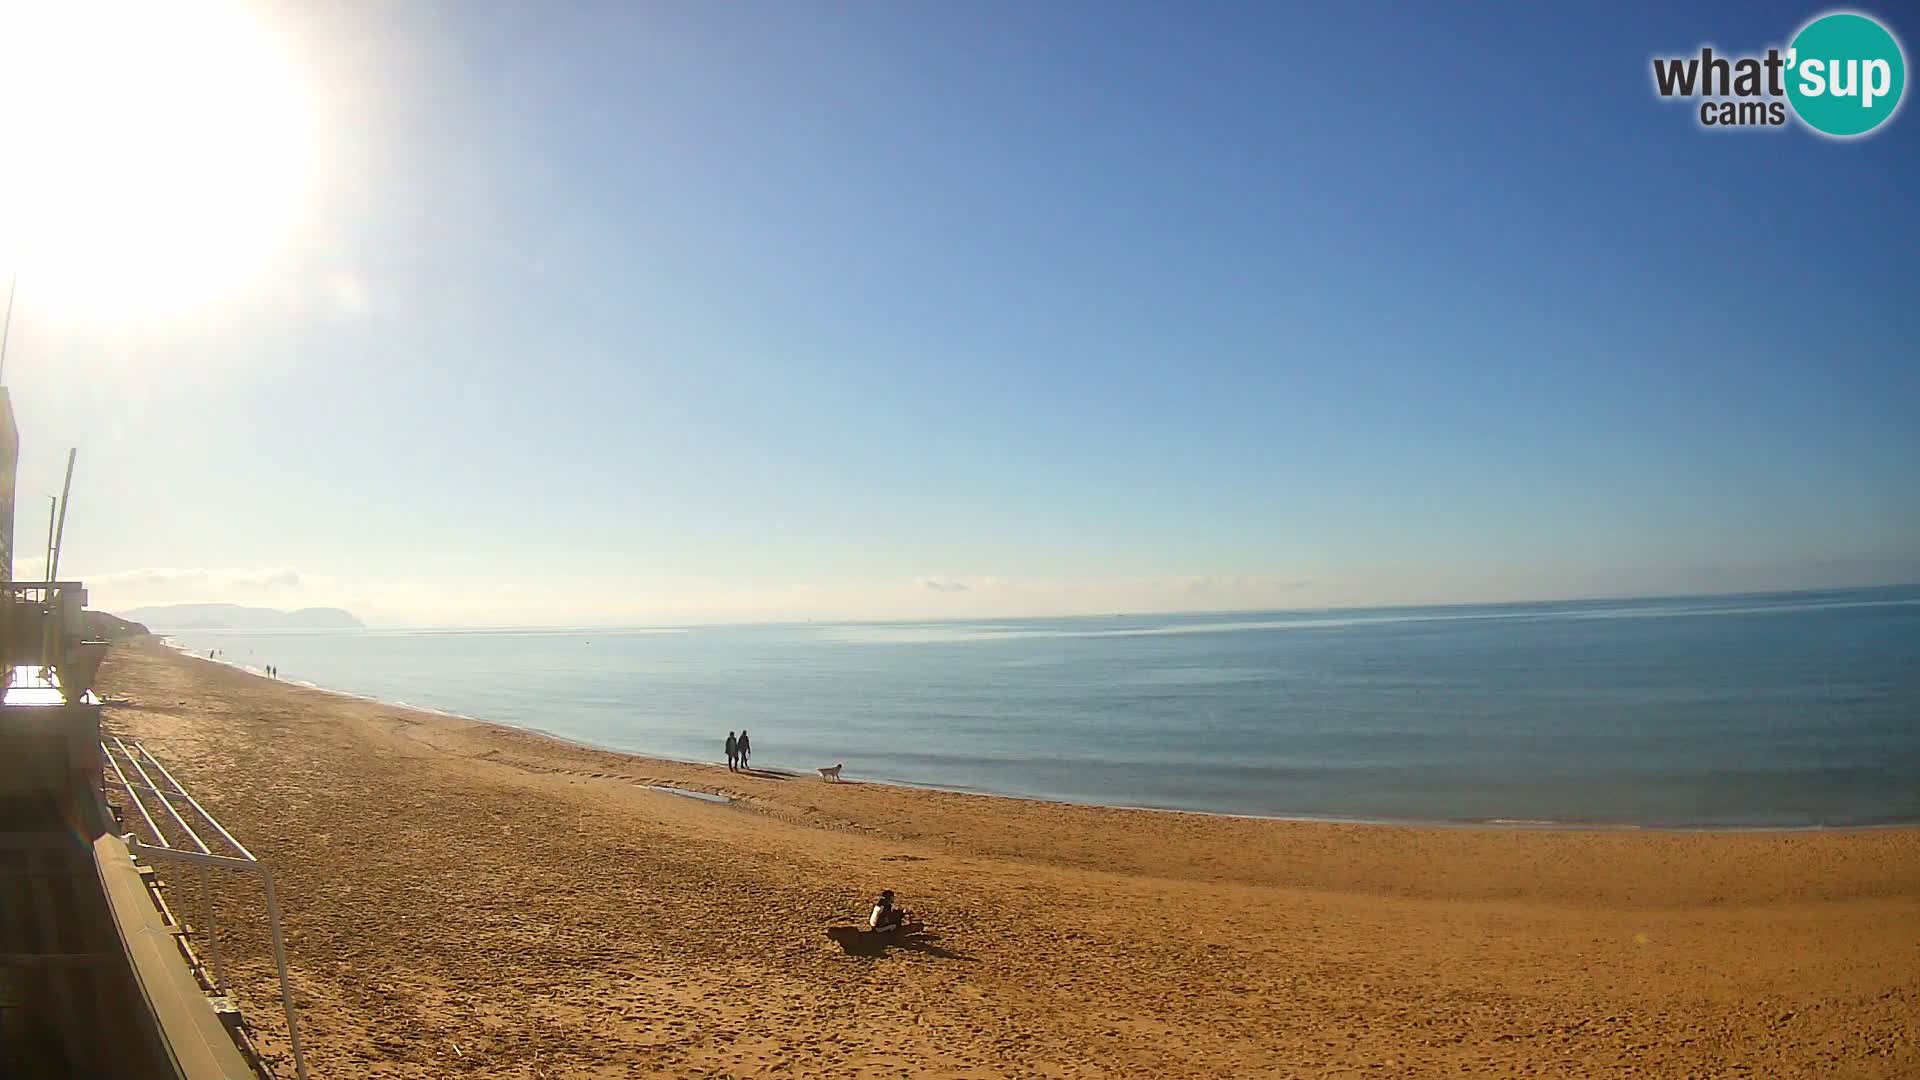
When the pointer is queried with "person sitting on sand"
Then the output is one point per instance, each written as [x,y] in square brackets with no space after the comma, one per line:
[885,916]
[733,752]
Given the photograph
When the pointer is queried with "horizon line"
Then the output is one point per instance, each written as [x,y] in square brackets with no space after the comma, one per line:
[719,624]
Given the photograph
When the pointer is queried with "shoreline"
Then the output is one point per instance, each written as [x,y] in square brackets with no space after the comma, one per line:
[1495,824]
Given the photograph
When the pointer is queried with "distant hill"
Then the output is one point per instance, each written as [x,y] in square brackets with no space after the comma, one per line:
[236,617]
[104,627]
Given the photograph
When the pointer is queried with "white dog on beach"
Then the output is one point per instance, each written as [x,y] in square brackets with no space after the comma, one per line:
[832,773]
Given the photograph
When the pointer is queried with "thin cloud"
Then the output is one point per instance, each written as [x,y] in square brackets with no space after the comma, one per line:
[1231,586]
[171,577]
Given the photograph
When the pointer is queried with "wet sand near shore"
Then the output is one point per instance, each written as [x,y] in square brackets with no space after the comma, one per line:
[466,900]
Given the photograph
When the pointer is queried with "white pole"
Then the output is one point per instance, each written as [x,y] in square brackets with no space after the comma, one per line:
[7,331]
[213,931]
[60,537]
[280,961]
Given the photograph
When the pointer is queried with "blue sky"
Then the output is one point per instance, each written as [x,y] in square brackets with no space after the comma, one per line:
[638,313]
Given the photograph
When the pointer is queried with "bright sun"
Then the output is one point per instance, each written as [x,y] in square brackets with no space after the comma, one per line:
[153,155]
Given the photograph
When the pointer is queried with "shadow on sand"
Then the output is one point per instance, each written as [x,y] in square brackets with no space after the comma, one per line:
[924,943]
[138,706]
[860,943]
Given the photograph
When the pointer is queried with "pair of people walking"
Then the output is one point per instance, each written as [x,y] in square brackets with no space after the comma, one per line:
[738,747]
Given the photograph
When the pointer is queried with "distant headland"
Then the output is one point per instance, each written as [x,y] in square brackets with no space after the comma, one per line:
[237,617]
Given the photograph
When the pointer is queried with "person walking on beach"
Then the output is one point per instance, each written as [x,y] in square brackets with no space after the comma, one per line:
[733,753]
[745,748]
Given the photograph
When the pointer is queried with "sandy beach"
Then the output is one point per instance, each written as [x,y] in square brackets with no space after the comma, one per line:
[465,900]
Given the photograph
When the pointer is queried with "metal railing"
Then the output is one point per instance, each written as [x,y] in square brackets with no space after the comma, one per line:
[155,804]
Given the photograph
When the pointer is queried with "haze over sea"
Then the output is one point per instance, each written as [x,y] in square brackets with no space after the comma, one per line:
[1783,709]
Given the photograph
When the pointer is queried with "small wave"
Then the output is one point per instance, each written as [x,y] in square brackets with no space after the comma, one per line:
[703,796]
[1737,609]
[957,633]
[921,635]
[588,632]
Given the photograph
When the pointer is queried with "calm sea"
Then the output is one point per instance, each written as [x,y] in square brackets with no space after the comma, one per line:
[1798,709]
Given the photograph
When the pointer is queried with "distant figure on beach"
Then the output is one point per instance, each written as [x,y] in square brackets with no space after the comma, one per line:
[745,748]
[733,753]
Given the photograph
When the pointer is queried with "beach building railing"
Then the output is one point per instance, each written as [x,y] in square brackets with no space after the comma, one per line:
[157,797]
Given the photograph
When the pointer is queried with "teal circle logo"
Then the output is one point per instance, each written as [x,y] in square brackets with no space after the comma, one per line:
[1845,74]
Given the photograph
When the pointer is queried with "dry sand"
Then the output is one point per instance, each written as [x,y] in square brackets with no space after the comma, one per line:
[464,900]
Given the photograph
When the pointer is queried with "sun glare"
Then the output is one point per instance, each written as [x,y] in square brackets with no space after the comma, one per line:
[154,155]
